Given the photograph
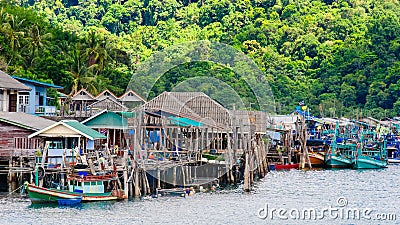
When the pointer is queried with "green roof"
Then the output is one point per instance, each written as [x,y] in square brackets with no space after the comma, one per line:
[107,119]
[127,114]
[84,130]
[185,122]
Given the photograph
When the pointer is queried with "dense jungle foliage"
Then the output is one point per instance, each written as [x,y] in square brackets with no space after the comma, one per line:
[341,57]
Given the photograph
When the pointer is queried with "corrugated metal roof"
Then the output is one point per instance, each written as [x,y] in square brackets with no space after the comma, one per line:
[25,120]
[106,119]
[73,125]
[106,94]
[82,95]
[84,130]
[185,122]
[126,97]
[38,83]
[7,82]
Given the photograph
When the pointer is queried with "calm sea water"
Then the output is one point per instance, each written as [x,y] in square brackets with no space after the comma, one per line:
[294,191]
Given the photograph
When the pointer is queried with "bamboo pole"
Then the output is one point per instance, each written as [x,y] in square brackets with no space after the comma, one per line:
[246,183]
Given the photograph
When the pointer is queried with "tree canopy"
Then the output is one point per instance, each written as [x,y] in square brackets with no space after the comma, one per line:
[340,57]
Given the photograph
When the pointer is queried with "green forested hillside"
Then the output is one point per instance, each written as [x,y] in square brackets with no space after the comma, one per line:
[340,57]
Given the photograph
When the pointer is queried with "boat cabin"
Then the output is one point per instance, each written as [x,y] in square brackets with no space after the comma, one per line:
[86,186]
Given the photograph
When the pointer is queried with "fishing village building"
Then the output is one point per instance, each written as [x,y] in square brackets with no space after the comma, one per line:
[15,127]
[84,104]
[10,92]
[65,138]
[111,124]
[36,100]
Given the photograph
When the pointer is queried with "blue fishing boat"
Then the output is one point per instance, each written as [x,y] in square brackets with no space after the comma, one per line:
[370,154]
[393,148]
[339,155]
[336,158]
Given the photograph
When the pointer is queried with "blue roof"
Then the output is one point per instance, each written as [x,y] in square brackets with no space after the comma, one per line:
[185,122]
[38,83]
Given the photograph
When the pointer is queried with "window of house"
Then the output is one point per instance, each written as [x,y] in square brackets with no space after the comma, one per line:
[130,94]
[107,94]
[82,93]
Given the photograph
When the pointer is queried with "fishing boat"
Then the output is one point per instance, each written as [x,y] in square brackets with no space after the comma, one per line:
[370,154]
[100,187]
[335,159]
[393,155]
[339,155]
[369,160]
[40,195]
[317,159]
[393,148]
[316,153]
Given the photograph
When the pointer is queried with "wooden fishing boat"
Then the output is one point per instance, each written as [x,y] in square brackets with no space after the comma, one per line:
[52,195]
[317,156]
[102,187]
[367,162]
[339,155]
[370,158]
[317,159]
[370,154]
[316,152]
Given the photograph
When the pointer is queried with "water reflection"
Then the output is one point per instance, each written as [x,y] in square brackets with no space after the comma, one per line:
[376,189]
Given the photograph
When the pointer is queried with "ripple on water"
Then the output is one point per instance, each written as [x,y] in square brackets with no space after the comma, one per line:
[376,189]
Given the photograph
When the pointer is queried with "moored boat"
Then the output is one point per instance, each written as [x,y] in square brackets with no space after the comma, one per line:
[367,162]
[317,159]
[335,161]
[102,187]
[394,160]
[370,155]
[393,149]
[339,155]
[52,195]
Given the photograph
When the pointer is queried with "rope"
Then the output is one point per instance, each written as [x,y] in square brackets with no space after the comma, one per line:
[13,191]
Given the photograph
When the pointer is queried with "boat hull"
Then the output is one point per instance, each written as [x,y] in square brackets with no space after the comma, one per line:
[40,195]
[393,160]
[334,161]
[98,197]
[368,163]
[286,167]
[317,160]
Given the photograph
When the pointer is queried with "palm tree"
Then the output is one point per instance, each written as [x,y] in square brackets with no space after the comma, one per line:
[37,39]
[82,76]
[96,51]
[11,28]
